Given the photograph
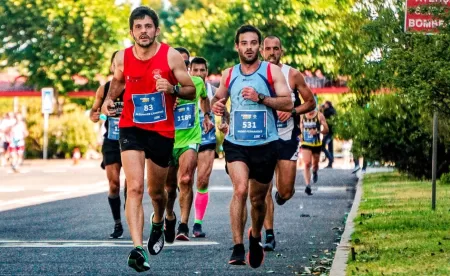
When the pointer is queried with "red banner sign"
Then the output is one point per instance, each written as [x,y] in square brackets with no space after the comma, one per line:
[417,22]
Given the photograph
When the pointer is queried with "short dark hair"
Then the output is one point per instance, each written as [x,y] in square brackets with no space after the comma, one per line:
[140,13]
[113,56]
[247,29]
[200,60]
[183,50]
[273,37]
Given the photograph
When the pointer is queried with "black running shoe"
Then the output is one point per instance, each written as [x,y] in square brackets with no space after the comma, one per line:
[183,232]
[255,255]
[308,190]
[197,231]
[315,176]
[118,231]
[138,259]
[169,229]
[238,255]
[270,243]
[155,243]
[280,201]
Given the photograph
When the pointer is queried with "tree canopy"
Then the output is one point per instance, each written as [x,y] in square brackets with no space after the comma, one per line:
[51,41]
[311,31]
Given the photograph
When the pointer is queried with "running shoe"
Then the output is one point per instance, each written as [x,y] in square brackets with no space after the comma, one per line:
[238,255]
[255,255]
[138,259]
[118,231]
[197,231]
[155,242]
[308,190]
[169,229]
[357,168]
[183,232]
[280,201]
[270,243]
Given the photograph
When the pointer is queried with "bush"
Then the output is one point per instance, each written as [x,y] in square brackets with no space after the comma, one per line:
[65,133]
[445,178]
[392,128]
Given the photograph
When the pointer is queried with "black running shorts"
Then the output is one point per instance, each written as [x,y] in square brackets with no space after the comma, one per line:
[314,150]
[155,146]
[111,152]
[287,150]
[261,160]
[207,147]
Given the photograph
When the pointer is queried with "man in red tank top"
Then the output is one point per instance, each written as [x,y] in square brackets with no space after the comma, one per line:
[149,71]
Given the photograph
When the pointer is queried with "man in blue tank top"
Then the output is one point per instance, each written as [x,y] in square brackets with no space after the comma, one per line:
[256,89]
[288,131]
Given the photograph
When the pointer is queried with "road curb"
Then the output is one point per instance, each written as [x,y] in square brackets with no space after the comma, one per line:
[339,265]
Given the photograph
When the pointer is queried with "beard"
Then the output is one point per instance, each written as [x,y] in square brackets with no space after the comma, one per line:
[151,40]
[248,60]
[273,59]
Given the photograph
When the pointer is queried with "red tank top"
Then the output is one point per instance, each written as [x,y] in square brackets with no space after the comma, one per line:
[140,93]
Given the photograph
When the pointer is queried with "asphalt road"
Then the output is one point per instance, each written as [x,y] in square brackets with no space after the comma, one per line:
[55,220]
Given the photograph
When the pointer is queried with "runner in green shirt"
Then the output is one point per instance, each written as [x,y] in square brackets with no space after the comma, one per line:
[184,158]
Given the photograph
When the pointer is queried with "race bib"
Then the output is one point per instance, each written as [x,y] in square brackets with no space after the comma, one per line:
[282,124]
[250,125]
[307,137]
[113,128]
[185,116]
[210,137]
[149,108]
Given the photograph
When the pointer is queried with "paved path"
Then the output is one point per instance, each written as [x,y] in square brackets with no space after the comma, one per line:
[64,229]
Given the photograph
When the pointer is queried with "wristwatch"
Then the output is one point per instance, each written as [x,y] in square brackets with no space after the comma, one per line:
[293,111]
[176,90]
[208,113]
[261,97]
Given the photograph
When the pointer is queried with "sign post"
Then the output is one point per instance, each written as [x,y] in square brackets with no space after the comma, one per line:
[428,24]
[47,108]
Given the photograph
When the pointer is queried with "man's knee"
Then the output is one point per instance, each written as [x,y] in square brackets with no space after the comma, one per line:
[240,192]
[135,190]
[114,186]
[185,181]
[258,201]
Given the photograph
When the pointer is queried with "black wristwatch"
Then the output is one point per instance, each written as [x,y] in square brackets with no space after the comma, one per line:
[261,97]
[208,113]
[293,111]
[176,90]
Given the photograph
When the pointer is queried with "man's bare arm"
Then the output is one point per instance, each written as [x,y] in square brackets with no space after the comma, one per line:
[118,82]
[97,104]
[324,124]
[282,101]
[176,63]
[205,105]
[221,96]
[308,98]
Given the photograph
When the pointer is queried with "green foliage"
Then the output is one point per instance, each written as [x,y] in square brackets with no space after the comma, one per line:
[311,31]
[51,41]
[445,178]
[71,130]
[390,128]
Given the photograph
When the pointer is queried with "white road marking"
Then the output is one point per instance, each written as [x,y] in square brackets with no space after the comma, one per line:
[329,189]
[91,243]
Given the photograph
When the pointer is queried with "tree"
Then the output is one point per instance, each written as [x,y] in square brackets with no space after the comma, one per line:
[51,41]
[310,30]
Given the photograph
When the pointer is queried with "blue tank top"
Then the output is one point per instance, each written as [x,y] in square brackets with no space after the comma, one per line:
[251,124]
